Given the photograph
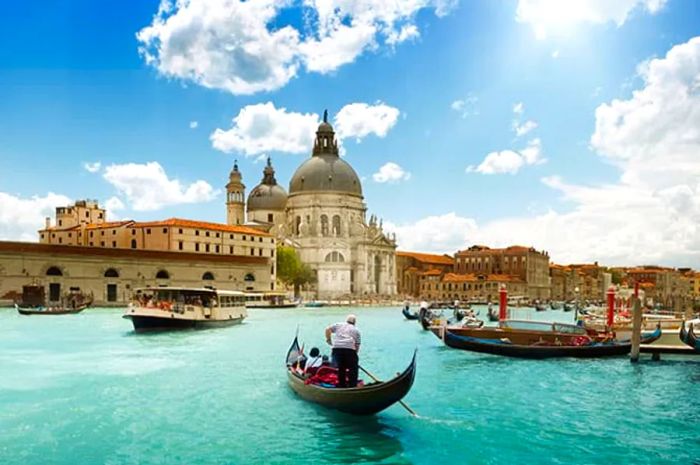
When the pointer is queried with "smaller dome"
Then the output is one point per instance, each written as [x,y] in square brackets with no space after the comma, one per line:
[266,197]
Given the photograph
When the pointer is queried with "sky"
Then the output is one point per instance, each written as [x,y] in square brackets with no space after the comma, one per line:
[572,127]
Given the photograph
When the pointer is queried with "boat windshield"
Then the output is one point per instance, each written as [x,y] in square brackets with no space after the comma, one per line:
[543,326]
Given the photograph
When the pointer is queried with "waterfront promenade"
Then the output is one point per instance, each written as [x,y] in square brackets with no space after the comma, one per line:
[86,389]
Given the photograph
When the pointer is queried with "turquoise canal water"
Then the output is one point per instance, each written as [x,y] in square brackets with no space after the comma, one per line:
[84,389]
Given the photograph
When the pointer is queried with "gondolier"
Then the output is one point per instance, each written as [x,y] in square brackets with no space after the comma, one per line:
[346,345]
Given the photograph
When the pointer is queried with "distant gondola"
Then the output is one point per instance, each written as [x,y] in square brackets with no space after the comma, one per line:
[568,307]
[689,338]
[407,313]
[493,314]
[505,348]
[540,307]
[365,400]
[50,311]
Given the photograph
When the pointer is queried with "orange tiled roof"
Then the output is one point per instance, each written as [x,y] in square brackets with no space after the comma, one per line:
[432,273]
[202,225]
[412,269]
[427,258]
[459,278]
[108,224]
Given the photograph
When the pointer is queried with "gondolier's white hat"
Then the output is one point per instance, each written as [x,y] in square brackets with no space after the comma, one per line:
[351,319]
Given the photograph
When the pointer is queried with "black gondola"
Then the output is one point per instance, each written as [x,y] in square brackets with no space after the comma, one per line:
[493,314]
[407,313]
[689,338]
[505,348]
[365,400]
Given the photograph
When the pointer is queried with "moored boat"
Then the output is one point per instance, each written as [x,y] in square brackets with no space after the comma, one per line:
[269,300]
[368,399]
[689,338]
[408,315]
[314,304]
[582,347]
[34,302]
[168,308]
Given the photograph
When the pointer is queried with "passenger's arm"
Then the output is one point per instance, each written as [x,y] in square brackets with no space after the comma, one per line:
[328,335]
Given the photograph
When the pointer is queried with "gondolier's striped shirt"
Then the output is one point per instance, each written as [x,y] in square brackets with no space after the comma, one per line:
[346,336]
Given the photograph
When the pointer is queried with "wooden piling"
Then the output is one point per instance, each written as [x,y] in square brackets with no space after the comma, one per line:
[636,330]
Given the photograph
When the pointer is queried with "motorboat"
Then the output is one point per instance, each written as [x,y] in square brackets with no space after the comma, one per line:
[168,308]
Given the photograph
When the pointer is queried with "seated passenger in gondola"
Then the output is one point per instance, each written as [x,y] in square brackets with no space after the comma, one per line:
[314,361]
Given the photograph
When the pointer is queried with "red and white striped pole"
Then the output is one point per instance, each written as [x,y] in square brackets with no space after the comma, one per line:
[503,303]
[611,306]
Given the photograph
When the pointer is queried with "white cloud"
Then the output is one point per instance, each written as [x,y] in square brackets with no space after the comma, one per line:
[466,106]
[358,120]
[392,173]
[147,186]
[556,16]
[510,161]
[263,128]
[246,47]
[555,54]
[519,108]
[652,214]
[440,234]
[92,167]
[114,204]
[524,128]
[194,124]
[21,218]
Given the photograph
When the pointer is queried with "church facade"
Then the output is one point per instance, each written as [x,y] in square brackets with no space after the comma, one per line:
[323,216]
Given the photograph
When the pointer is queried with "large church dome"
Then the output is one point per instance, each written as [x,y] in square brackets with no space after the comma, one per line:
[325,171]
[267,195]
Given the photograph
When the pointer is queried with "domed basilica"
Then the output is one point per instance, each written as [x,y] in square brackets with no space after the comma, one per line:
[323,218]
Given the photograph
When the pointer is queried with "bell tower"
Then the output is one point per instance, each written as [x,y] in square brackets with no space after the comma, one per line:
[235,197]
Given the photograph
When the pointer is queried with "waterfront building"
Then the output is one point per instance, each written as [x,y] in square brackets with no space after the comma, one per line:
[111,274]
[411,265]
[174,234]
[587,281]
[663,285]
[525,263]
[470,287]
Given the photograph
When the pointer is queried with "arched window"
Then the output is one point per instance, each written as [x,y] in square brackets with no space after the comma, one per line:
[54,271]
[111,273]
[336,225]
[133,243]
[297,224]
[324,225]
[162,274]
[208,276]
[335,257]
[249,277]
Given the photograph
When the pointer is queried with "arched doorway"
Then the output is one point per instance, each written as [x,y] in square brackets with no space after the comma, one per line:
[54,287]
[111,274]
[162,274]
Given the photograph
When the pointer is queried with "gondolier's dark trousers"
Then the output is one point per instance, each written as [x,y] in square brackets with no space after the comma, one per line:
[347,361]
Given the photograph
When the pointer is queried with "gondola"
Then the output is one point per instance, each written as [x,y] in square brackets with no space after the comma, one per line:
[505,348]
[426,316]
[689,338]
[493,314]
[407,313]
[568,307]
[365,400]
[540,307]
[50,310]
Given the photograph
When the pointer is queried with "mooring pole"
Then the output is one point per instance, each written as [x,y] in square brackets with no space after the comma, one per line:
[636,330]
[502,303]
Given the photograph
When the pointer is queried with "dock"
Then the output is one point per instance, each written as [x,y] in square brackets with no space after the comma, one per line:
[656,350]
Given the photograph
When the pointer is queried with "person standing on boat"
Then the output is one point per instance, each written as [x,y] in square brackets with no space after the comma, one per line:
[346,345]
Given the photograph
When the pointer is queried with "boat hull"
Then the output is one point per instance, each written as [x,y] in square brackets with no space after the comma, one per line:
[534,352]
[152,323]
[270,306]
[408,315]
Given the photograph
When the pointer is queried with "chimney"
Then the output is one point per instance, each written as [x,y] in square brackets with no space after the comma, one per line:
[48,222]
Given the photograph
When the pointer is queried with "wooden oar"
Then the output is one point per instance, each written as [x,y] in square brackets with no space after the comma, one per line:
[403,404]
